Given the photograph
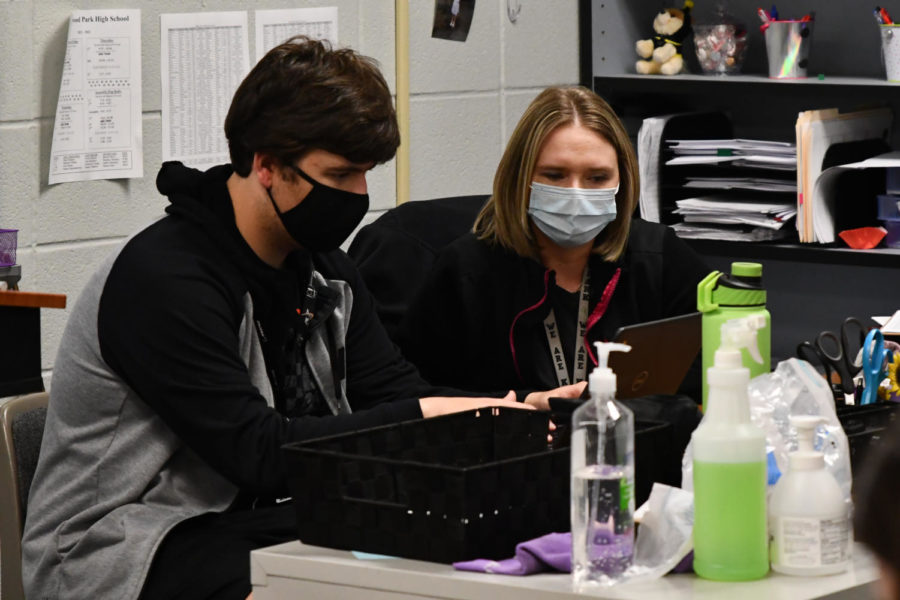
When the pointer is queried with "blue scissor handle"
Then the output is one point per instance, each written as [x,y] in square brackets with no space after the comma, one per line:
[872,363]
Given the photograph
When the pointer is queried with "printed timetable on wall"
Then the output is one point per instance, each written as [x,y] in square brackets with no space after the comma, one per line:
[97,132]
[203,58]
[276,26]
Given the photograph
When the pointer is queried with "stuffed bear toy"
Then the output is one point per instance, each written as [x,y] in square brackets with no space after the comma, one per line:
[662,53]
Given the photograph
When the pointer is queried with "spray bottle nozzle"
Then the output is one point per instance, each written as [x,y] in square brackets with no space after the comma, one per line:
[740,333]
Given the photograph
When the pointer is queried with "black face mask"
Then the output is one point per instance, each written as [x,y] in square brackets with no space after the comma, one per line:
[325,218]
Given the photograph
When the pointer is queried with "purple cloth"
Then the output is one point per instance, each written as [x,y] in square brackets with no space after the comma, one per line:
[549,552]
[685,565]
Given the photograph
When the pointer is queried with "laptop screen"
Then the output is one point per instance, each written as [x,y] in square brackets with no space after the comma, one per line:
[661,355]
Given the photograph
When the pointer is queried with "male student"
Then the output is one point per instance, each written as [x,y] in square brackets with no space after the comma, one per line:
[216,335]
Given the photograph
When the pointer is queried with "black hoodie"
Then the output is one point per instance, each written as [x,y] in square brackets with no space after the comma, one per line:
[170,325]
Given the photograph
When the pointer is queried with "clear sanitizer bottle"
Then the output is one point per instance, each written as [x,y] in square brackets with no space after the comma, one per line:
[602,451]
[729,461]
[808,516]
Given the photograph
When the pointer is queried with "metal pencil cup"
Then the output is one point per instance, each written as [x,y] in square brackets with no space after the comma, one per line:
[890,50]
[787,48]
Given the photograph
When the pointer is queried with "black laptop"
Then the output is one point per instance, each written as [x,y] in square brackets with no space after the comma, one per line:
[661,355]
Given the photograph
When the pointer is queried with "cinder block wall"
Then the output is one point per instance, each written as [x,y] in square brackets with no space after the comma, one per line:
[465,100]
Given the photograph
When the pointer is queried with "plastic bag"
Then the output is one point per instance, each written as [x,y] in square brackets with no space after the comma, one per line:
[794,388]
[664,537]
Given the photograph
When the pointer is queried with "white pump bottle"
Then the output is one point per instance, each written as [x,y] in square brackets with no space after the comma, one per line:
[602,452]
[808,515]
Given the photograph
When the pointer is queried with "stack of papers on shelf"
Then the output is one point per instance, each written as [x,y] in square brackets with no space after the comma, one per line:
[738,152]
[729,233]
[817,133]
[726,217]
[750,188]
[731,211]
[757,184]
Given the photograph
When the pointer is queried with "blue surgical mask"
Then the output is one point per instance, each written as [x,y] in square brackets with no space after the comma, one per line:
[571,216]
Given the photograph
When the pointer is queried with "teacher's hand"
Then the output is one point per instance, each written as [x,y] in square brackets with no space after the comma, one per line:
[541,400]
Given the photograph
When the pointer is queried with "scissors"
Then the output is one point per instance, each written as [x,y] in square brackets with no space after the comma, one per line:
[838,354]
[874,355]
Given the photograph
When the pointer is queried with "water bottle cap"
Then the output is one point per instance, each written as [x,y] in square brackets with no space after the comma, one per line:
[746,269]
[743,287]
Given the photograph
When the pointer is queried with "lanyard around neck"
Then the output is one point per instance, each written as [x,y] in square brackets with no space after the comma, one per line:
[579,369]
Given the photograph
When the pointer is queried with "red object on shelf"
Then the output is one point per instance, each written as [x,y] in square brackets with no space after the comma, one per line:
[863,238]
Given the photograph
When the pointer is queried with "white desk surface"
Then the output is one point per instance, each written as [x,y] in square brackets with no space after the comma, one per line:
[294,570]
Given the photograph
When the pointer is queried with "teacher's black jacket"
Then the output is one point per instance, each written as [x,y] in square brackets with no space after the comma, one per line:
[477,323]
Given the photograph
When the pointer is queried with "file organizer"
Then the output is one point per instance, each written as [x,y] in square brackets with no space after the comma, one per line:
[661,186]
[457,487]
[664,185]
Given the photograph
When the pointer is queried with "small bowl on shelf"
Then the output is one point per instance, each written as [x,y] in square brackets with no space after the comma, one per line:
[720,48]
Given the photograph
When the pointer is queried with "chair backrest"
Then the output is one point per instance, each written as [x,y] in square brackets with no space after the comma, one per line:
[21,429]
[394,253]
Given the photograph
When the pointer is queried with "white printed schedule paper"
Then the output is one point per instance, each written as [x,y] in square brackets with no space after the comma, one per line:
[276,26]
[97,131]
[204,57]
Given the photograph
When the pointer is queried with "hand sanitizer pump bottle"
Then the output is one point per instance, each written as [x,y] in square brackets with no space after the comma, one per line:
[729,453]
[602,451]
[809,518]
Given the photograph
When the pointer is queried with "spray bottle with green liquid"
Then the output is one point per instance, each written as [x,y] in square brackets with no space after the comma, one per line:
[729,462]
[722,297]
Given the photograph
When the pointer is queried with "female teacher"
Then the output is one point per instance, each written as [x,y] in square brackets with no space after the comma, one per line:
[555,260]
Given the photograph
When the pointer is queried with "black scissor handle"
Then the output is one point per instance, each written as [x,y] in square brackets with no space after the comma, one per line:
[833,352]
[811,354]
[853,335]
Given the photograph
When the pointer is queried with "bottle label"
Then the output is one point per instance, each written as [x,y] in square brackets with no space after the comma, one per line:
[626,494]
[803,542]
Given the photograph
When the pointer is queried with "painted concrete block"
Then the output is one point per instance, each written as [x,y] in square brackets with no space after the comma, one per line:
[541,47]
[455,145]
[438,65]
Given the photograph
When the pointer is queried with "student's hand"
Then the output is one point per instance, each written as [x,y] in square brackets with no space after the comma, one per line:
[541,400]
[434,406]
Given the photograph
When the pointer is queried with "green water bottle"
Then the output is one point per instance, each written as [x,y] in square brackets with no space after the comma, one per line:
[723,297]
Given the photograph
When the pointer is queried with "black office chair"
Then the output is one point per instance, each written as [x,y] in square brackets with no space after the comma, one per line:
[395,252]
[21,429]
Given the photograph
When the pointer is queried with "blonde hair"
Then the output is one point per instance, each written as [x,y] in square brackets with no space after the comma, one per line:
[504,219]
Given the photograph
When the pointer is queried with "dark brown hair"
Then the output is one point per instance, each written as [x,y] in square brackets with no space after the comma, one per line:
[875,490]
[303,95]
[504,219]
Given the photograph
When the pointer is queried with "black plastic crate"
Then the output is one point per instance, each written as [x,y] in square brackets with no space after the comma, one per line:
[865,426]
[457,487]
